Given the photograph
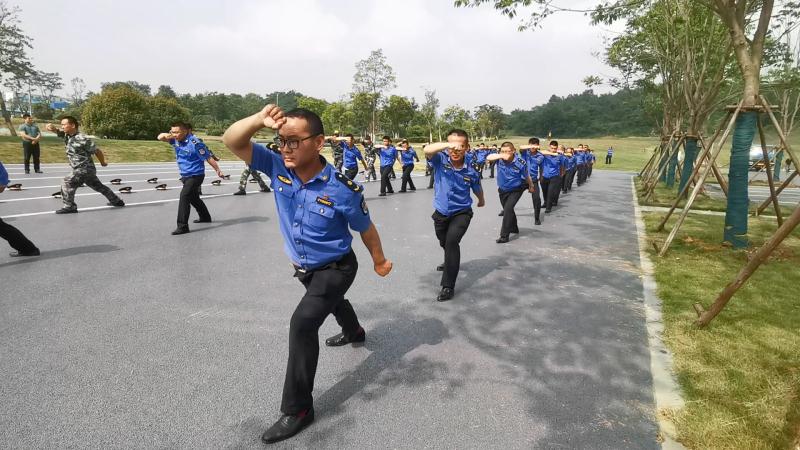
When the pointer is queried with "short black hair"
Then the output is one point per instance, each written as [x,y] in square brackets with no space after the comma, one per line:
[387,137]
[181,124]
[458,132]
[72,120]
[349,135]
[533,141]
[554,143]
[25,116]
[312,119]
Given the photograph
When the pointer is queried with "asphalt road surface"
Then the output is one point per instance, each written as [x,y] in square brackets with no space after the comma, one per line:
[122,336]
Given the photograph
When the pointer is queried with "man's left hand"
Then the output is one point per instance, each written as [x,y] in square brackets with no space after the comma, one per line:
[383,268]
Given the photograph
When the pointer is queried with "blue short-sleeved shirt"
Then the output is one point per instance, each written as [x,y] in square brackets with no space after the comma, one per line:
[551,166]
[469,157]
[452,186]
[191,155]
[3,175]
[351,155]
[580,158]
[314,217]
[408,157]
[511,176]
[480,155]
[534,161]
[388,156]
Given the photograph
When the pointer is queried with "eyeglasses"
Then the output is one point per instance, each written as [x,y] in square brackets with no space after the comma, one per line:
[293,144]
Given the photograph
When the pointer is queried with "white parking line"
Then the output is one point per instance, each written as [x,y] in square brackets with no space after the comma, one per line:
[95,208]
[97,193]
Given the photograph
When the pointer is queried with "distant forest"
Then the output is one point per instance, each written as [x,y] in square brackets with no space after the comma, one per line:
[587,115]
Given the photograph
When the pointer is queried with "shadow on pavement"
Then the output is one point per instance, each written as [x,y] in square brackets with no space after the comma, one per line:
[63,253]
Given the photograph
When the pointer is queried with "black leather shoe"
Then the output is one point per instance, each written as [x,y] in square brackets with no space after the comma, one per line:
[445,295]
[240,192]
[201,221]
[502,240]
[440,268]
[180,230]
[31,253]
[501,213]
[266,189]
[538,222]
[287,426]
[340,339]
[67,211]
[118,203]
[381,195]
[547,211]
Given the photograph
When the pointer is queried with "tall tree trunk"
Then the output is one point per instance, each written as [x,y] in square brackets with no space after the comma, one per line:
[689,156]
[6,115]
[738,201]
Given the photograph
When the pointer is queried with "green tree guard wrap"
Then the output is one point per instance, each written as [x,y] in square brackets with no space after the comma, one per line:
[673,165]
[690,154]
[738,201]
[662,162]
[778,162]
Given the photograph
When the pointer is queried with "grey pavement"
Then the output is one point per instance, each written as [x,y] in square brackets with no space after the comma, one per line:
[757,194]
[123,336]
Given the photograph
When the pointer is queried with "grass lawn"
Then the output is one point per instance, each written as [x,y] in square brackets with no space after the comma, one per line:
[740,376]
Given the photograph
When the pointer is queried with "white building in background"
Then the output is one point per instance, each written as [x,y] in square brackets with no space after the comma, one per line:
[17,103]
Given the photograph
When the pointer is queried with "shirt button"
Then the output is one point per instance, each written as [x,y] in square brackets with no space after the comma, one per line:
[300,206]
[321,210]
[297,224]
[280,188]
[297,241]
[302,256]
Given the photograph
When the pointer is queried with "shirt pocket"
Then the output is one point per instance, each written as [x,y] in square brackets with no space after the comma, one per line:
[320,216]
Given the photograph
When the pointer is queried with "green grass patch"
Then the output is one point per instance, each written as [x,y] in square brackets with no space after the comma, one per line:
[741,375]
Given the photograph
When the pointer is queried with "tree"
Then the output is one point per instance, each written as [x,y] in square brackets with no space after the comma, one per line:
[47,83]
[374,76]
[361,104]
[78,88]
[166,91]
[124,112]
[399,111]
[142,88]
[489,120]
[14,62]
[312,104]
[429,112]
[338,117]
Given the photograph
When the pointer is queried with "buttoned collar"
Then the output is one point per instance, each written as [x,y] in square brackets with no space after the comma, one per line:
[188,136]
[324,175]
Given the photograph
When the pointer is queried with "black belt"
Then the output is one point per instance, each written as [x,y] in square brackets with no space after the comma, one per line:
[330,265]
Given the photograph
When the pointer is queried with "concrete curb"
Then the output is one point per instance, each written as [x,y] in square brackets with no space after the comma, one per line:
[666,392]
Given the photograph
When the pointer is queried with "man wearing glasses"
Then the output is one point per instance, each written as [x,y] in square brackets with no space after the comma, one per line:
[316,205]
[453,180]
[191,154]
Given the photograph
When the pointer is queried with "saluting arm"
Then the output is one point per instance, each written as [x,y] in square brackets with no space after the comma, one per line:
[237,136]
[433,149]
[372,241]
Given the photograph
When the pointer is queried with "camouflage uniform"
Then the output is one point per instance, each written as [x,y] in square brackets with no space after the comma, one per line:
[246,173]
[338,154]
[370,155]
[79,150]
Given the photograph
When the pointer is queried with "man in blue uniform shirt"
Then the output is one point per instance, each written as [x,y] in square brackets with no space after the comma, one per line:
[532,154]
[388,156]
[512,180]
[580,159]
[15,238]
[407,157]
[316,204]
[552,170]
[453,180]
[191,154]
[352,155]
[480,158]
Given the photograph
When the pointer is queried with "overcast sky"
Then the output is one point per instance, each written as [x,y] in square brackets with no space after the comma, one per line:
[469,56]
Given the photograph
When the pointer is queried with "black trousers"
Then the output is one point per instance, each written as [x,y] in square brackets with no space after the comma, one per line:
[407,169]
[491,168]
[15,238]
[190,195]
[550,189]
[608,159]
[325,290]
[351,172]
[430,181]
[449,231]
[537,200]
[479,167]
[30,149]
[509,201]
[589,170]
[581,173]
[386,185]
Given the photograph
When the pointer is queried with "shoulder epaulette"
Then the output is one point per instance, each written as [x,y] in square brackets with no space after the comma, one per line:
[352,185]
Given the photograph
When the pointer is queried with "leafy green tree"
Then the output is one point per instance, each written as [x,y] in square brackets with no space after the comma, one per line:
[166,91]
[14,62]
[399,111]
[313,104]
[124,112]
[42,111]
[142,88]
[374,76]
[338,117]
[428,112]
[78,89]
[361,104]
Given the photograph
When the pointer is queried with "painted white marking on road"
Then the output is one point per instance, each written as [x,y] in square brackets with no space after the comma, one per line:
[97,193]
[95,208]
